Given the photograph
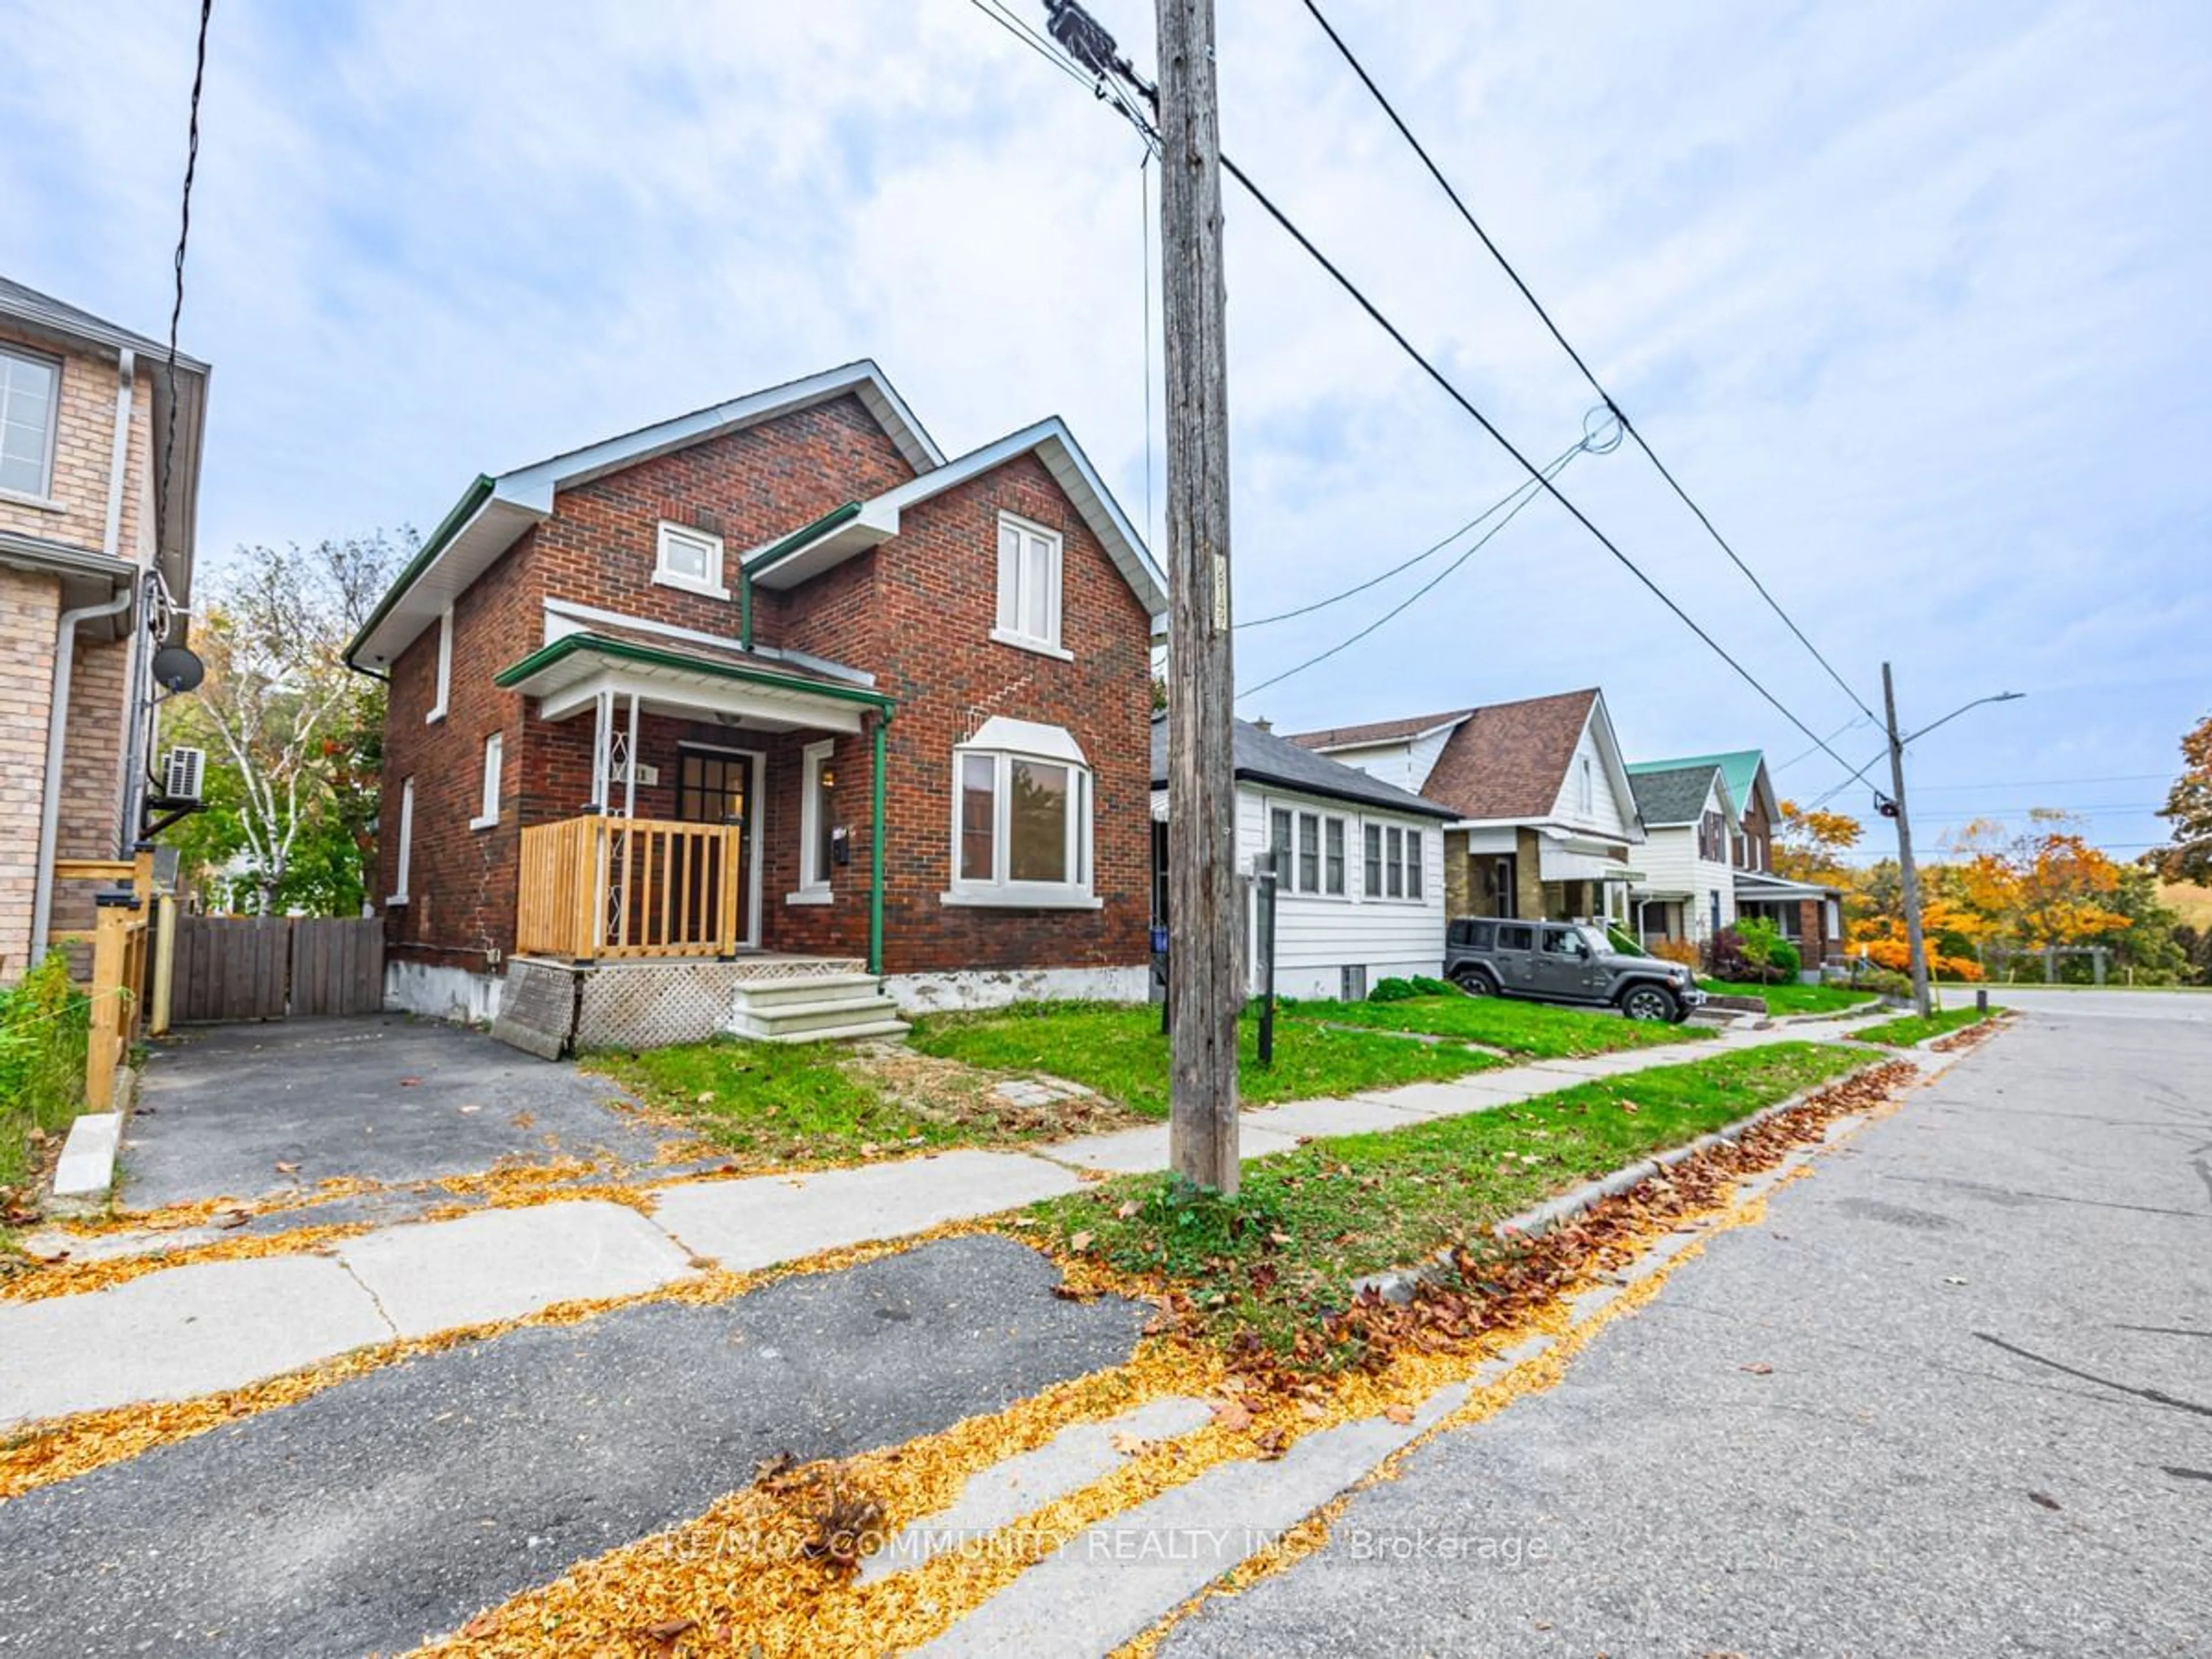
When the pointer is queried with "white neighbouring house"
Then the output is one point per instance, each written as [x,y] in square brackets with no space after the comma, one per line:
[1364,896]
[1690,823]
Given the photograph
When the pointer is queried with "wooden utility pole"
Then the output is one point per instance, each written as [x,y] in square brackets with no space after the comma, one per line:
[1908,874]
[1204,908]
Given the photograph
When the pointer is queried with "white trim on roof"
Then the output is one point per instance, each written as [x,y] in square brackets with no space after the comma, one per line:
[524,497]
[878,520]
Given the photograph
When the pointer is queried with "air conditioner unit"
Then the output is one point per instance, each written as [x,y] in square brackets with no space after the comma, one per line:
[182,773]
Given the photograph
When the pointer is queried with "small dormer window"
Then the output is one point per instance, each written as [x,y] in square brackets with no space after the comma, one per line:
[691,560]
[1029,586]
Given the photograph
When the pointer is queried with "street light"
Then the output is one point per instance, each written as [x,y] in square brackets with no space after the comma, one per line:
[1916,943]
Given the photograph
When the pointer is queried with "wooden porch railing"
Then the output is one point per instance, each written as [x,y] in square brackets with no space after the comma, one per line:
[593,888]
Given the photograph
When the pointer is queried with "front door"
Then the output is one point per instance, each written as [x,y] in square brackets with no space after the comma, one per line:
[714,786]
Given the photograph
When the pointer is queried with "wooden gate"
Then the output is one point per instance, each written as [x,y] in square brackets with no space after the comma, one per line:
[230,967]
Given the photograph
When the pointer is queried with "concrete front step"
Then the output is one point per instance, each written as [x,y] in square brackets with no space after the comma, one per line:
[820,1008]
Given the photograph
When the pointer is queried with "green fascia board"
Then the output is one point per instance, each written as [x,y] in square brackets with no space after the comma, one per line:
[568,644]
[465,509]
[803,535]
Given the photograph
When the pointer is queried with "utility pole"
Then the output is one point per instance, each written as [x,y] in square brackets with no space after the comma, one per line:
[1204,895]
[1909,875]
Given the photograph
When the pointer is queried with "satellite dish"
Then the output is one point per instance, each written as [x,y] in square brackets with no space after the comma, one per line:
[178,668]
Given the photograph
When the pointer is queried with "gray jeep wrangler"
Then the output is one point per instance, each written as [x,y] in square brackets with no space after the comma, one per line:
[1565,962]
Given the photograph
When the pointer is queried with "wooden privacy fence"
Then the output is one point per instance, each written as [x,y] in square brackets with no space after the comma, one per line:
[230,967]
[610,887]
[122,963]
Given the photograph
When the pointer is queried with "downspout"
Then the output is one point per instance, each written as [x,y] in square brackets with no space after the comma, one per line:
[876,852]
[58,706]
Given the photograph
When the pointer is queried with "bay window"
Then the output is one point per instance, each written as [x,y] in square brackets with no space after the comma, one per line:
[1022,824]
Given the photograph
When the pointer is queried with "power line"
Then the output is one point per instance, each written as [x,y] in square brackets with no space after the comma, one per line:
[1527,493]
[1267,205]
[1555,466]
[1807,754]
[1535,473]
[1629,426]
[177,306]
[2050,783]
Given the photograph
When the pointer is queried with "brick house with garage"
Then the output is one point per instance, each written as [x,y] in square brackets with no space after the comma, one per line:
[94,572]
[770,719]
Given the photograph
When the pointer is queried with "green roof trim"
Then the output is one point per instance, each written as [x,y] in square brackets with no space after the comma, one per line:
[472,499]
[804,535]
[1738,767]
[568,644]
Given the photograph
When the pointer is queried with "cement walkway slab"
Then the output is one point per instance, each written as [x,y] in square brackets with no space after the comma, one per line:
[759,1222]
[436,1276]
[171,1335]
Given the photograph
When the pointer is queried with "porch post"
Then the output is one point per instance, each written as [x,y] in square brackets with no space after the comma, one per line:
[876,850]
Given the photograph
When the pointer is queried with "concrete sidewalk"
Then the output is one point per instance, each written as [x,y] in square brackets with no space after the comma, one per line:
[195,1329]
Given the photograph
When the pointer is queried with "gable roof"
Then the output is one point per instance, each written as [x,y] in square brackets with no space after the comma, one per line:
[1675,794]
[1510,760]
[1375,731]
[42,315]
[1262,757]
[493,512]
[852,528]
[1739,767]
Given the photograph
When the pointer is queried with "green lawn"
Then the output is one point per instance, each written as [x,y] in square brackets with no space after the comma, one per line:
[1116,1048]
[1903,1033]
[1307,1222]
[1535,1028]
[1793,997]
[772,1100]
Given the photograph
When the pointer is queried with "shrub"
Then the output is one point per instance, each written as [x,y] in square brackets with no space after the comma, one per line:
[1424,986]
[1784,960]
[45,1025]
[1727,959]
[1392,990]
[1882,981]
[1676,950]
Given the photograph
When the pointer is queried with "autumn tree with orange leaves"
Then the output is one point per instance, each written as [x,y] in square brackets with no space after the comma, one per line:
[1809,844]
[2045,887]
[2189,808]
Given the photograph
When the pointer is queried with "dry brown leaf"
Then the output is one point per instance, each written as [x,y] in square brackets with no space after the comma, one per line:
[288,1168]
[483,1625]
[1233,1414]
[669,1629]
[1400,1414]
[1128,1209]
[1080,1243]
[1757,1368]
[1130,1444]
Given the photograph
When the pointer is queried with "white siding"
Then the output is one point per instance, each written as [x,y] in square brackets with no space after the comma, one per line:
[1403,762]
[1670,863]
[1316,936]
[1608,817]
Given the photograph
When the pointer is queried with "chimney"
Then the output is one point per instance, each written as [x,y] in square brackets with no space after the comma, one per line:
[1264,724]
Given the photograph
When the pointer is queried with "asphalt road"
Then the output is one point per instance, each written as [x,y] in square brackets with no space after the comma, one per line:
[390,1508]
[1955,1397]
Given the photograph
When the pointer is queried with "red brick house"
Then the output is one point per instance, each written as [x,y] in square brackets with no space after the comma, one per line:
[769,718]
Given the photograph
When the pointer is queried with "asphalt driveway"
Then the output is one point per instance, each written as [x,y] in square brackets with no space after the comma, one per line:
[246,1111]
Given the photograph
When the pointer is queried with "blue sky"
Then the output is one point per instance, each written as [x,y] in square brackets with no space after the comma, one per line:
[1913,298]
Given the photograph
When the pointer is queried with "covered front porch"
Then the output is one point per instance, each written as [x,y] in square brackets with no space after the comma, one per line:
[1808,915]
[716,818]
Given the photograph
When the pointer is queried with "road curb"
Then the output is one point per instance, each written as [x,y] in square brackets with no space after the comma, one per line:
[1397,1284]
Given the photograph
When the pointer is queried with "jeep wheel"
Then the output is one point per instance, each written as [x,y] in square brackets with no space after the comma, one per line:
[1650,1002]
[1475,982]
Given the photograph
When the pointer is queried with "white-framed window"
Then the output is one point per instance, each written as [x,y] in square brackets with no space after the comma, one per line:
[406,841]
[690,559]
[1310,848]
[488,800]
[1029,586]
[1021,829]
[445,667]
[817,822]
[30,400]
[1392,861]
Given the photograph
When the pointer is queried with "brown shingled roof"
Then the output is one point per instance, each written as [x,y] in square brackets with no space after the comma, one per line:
[1510,760]
[1344,737]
